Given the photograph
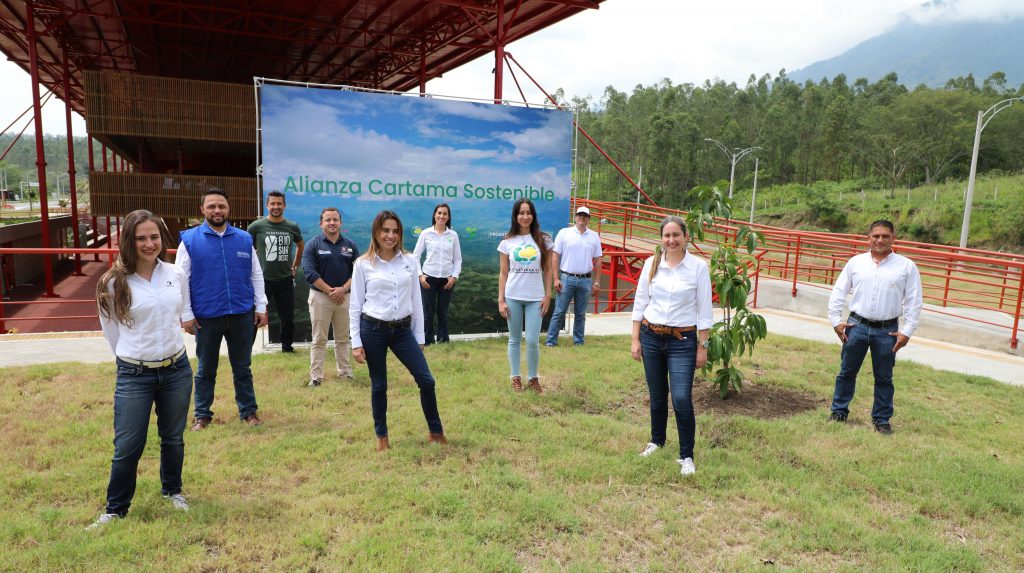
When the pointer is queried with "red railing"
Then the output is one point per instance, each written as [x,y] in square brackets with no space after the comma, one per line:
[952,278]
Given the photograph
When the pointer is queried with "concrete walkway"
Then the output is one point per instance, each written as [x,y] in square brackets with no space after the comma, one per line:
[91,347]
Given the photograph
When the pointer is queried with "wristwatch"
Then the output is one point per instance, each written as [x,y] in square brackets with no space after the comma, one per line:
[705,343]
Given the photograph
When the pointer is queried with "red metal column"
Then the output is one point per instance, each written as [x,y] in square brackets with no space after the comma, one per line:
[499,54]
[71,165]
[92,167]
[105,170]
[44,211]
[423,68]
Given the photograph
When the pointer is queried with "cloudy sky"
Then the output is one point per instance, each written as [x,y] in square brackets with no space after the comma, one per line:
[630,42]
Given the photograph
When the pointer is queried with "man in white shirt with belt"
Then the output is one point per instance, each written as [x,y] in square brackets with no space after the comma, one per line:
[576,255]
[885,286]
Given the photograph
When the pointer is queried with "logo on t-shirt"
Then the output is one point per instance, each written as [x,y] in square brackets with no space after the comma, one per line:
[525,254]
[278,247]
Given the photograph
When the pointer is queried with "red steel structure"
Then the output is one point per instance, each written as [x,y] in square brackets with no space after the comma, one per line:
[395,45]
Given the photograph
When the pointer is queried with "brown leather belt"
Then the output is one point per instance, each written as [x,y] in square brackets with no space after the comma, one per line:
[676,331]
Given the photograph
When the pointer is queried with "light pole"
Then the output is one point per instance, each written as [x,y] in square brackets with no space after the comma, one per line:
[983,118]
[753,196]
[734,157]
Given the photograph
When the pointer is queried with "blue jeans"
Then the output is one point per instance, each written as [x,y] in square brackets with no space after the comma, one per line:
[377,339]
[138,388]
[435,301]
[860,338]
[520,312]
[574,289]
[237,330]
[670,363]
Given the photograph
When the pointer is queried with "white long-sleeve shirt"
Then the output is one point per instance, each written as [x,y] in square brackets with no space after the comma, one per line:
[678,296]
[157,304]
[183,261]
[881,291]
[386,290]
[444,253]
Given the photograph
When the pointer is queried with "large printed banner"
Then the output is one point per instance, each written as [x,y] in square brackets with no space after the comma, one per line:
[363,152]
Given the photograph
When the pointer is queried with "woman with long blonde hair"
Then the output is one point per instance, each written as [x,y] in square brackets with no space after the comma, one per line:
[140,301]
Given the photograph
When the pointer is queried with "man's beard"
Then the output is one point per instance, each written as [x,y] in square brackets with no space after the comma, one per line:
[215,222]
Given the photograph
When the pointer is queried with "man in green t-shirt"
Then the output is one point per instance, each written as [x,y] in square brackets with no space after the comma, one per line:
[278,243]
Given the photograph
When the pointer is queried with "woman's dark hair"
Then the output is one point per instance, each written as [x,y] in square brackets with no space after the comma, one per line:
[535,232]
[433,216]
[378,224]
[116,304]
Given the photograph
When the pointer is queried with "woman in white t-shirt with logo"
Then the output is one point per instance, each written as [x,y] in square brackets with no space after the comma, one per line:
[523,289]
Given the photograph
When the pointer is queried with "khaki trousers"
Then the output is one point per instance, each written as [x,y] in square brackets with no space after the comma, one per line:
[323,313]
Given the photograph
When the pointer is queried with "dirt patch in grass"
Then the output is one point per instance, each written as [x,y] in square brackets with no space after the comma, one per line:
[756,400]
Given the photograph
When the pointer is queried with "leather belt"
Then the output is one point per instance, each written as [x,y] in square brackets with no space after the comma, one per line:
[577,275]
[676,331]
[155,363]
[874,323]
[400,323]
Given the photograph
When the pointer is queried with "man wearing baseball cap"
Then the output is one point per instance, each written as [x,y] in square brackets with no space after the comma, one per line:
[577,256]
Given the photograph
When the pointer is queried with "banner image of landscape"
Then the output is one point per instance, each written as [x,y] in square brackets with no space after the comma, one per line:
[363,152]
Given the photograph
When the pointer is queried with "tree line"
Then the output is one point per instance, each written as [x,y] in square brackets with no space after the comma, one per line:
[881,133]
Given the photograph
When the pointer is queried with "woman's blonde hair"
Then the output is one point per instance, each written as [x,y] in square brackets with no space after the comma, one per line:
[117,303]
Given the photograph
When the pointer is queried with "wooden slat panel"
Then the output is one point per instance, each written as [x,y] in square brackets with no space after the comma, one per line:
[174,108]
[169,196]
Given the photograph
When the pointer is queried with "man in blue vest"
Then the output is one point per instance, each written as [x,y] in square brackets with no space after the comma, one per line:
[226,301]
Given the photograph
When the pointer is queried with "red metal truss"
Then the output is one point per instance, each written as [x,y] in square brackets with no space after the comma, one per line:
[384,44]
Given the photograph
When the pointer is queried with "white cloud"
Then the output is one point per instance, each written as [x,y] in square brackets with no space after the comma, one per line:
[966,10]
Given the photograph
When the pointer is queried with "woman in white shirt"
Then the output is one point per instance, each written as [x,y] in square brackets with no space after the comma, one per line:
[671,324]
[439,272]
[386,312]
[523,289]
[140,302]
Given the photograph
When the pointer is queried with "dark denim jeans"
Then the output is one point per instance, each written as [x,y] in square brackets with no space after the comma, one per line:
[859,339]
[237,330]
[574,289]
[377,339]
[670,363]
[282,294]
[138,388]
[435,301]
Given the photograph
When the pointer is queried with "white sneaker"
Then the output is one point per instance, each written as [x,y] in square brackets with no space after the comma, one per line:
[178,501]
[686,467]
[103,520]
[650,449]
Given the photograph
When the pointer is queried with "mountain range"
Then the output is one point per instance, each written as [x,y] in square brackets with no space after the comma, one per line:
[931,54]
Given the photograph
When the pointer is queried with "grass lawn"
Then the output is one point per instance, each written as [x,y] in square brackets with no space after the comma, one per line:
[538,483]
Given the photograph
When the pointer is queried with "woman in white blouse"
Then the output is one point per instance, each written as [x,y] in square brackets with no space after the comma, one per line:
[386,312]
[140,301]
[524,283]
[671,324]
[439,272]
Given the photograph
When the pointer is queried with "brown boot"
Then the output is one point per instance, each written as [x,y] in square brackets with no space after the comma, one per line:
[517,383]
[437,438]
[383,444]
[534,384]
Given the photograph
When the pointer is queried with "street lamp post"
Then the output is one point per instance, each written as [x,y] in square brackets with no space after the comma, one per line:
[983,118]
[735,155]
[753,196]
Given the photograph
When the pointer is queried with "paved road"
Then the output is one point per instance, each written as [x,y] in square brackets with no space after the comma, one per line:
[91,347]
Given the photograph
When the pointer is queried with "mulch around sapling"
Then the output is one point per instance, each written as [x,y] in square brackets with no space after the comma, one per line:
[755,400]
